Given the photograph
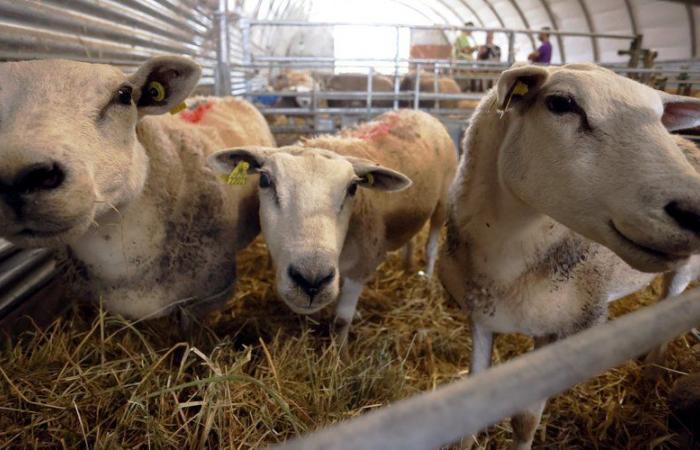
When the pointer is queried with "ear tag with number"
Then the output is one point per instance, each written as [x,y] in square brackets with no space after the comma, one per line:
[239,174]
[157,91]
[520,89]
[178,108]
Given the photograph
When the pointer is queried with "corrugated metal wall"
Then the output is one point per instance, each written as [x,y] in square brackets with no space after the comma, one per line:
[123,32]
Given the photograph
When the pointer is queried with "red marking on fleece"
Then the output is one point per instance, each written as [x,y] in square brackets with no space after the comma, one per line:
[196,114]
[376,129]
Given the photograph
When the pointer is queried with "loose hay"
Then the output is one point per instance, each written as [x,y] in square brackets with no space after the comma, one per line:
[260,374]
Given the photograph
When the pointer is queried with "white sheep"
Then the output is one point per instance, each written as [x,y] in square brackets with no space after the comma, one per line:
[575,195]
[319,227]
[85,162]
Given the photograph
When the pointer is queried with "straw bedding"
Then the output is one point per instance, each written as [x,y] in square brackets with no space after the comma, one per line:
[256,374]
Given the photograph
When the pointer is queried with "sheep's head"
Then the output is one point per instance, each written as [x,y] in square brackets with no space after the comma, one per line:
[593,150]
[306,197]
[68,145]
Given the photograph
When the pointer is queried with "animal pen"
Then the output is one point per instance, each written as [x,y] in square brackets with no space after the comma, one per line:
[255,358]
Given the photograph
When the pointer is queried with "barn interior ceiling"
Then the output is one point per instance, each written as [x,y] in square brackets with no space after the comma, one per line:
[668,26]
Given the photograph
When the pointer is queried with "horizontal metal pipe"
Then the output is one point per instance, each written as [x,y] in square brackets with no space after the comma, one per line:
[17,265]
[297,23]
[376,95]
[465,407]
[355,111]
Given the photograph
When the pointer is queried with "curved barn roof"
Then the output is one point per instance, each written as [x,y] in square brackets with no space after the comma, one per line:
[669,26]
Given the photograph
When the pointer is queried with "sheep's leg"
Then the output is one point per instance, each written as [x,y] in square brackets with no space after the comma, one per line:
[408,255]
[345,310]
[525,423]
[673,284]
[437,220]
[482,347]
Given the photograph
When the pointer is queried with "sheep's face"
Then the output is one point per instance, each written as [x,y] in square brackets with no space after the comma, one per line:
[68,145]
[306,200]
[592,150]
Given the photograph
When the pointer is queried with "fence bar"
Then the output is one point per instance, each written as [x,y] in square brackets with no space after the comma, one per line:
[436,418]
[416,98]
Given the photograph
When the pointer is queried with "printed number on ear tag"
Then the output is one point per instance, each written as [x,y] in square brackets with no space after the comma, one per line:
[178,108]
[239,174]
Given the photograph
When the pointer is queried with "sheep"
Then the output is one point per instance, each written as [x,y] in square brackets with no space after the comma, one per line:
[88,161]
[445,85]
[319,227]
[572,195]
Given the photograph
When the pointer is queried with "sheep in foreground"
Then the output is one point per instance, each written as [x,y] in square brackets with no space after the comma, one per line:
[319,227]
[575,194]
[85,163]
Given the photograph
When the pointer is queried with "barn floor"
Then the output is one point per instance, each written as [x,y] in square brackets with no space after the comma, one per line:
[259,374]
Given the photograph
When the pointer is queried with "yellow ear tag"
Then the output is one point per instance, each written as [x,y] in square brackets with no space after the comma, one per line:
[178,108]
[239,174]
[156,91]
[520,89]
[369,179]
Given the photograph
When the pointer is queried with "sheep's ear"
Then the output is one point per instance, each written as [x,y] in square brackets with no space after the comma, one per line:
[224,161]
[519,83]
[163,82]
[680,113]
[374,176]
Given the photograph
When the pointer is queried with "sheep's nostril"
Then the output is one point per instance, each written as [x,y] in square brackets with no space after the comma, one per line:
[311,283]
[38,177]
[686,218]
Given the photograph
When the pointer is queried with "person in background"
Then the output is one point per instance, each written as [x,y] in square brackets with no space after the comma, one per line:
[465,45]
[489,51]
[543,54]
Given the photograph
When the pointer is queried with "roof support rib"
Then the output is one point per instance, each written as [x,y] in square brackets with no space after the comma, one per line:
[591,29]
[691,24]
[473,12]
[495,13]
[633,19]
[525,22]
[560,40]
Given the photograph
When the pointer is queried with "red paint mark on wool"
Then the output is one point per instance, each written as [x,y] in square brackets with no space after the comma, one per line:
[196,114]
[376,129]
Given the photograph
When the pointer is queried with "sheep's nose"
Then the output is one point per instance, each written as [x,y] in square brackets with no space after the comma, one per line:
[38,177]
[685,216]
[311,282]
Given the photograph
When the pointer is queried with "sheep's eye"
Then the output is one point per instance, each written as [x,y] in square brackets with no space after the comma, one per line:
[265,181]
[124,95]
[560,104]
[352,189]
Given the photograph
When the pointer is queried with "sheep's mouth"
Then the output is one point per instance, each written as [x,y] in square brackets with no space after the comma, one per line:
[651,252]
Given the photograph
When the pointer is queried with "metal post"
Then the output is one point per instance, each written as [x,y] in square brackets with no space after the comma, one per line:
[436,74]
[416,88]
[223,62]
[397,57]
[370,76]
[247,51]
[511,48]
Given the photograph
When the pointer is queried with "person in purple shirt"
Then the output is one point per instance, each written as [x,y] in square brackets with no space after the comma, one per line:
[543,54]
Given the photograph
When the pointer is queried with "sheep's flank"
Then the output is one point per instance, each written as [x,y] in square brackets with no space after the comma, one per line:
[258,374]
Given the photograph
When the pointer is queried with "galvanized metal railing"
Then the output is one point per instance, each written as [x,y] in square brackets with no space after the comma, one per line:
[463,408]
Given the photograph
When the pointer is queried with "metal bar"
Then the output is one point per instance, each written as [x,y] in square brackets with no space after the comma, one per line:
[633,20]
[296,23]
[25,288]
[19,264]
[436,75]
[397,59]
[460,409]
[511,48]
[416,88]
[370,76]
[245,26]
[591,28]
[691,24]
